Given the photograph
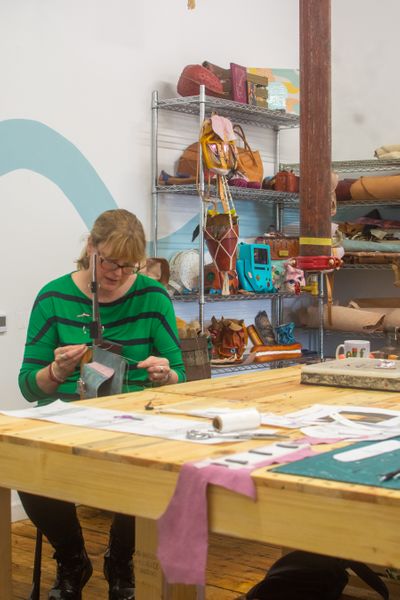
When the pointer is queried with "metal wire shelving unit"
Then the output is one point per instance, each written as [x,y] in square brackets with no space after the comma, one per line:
[232,298]
[367,266]
[236,111]
[267,197]
[356,167]
[374,165]
[203,106]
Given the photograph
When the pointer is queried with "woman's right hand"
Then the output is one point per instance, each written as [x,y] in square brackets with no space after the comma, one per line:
[66,359]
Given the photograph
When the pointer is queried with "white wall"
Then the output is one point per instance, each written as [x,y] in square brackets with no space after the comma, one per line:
[365,85]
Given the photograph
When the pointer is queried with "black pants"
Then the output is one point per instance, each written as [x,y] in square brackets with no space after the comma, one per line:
[58,521]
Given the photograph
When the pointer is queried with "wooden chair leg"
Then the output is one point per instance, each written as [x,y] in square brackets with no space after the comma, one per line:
[35,592]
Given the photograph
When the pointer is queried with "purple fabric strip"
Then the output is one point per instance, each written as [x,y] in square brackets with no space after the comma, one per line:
[183,528]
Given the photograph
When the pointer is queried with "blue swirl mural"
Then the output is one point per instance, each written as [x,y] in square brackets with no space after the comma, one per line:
[28,144]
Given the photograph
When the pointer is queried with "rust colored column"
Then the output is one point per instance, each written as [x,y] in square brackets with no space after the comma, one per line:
[315,128]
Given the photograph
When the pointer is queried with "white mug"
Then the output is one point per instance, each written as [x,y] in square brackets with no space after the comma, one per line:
[354,349]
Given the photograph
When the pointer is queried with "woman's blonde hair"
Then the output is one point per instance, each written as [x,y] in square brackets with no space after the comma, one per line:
[123,234]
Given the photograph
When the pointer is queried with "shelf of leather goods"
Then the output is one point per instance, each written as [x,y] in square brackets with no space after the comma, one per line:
[263,196]
[354,166]
[193,297]
[236,111]
[367,266]
[368,202]
[369,335]
[375,165]
[228,369]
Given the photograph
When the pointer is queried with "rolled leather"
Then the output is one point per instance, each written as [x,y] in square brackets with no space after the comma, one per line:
[276,352]
[384,187]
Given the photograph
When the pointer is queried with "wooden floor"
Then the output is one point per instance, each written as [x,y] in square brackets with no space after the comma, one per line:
[234,566]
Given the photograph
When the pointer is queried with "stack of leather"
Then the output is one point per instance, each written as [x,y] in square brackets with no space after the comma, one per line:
[265,347]
[194,346]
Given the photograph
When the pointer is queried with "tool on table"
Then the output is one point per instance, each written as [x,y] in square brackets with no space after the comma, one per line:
[391,475]
[199,434]
[103,368]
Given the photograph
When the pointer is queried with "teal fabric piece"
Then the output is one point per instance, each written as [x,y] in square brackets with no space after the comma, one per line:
[363,472]
[366,246]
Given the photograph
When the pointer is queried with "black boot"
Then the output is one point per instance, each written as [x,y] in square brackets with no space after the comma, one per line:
[73,572]
[118,571]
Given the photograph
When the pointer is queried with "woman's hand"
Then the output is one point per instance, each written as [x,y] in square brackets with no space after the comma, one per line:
[158,370]
[66,359]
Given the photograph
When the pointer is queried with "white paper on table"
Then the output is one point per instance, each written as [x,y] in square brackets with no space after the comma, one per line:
[324,413]
[153,425]
[368,451]
[337,433]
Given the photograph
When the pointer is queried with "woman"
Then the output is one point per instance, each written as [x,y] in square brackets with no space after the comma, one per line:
[135,312]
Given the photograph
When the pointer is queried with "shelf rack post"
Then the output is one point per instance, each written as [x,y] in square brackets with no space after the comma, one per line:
[321,301]
[154,170]
[202,112]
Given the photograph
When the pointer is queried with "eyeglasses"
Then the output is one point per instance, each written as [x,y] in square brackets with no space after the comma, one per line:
[111,265]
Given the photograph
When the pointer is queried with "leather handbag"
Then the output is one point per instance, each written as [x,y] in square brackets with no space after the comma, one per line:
[193,76]
[229,338]
[224,75]
[218,146]
[188,162]
[287,181]
[249,161]
[281,247]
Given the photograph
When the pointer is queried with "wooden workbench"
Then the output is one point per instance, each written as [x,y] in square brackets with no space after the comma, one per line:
[137,475]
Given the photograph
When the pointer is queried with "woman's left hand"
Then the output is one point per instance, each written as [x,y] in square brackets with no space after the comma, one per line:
[158,369]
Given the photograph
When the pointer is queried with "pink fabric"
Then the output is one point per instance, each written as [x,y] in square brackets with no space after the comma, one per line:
[183,528]
[312,440]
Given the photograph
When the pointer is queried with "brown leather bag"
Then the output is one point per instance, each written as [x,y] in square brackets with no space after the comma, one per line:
[249,161]
[188,163]
[281,247]
[229,338]
[287,181]
[224,75]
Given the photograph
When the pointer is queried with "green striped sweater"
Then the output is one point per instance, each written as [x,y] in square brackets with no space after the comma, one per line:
[143,321]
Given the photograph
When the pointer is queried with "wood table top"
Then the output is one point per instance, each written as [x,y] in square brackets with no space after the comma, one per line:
[137,475]
[277,390]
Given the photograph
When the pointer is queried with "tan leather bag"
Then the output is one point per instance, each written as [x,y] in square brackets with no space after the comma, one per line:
[188,163]
[249,161]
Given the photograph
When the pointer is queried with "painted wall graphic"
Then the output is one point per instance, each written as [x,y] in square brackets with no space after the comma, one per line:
[289,78]
[28,144]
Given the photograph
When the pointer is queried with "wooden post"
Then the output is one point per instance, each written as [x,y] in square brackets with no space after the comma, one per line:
[5,544]
[315,128]
[150,582]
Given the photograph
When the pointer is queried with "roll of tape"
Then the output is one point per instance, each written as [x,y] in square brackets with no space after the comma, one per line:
[238,420]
